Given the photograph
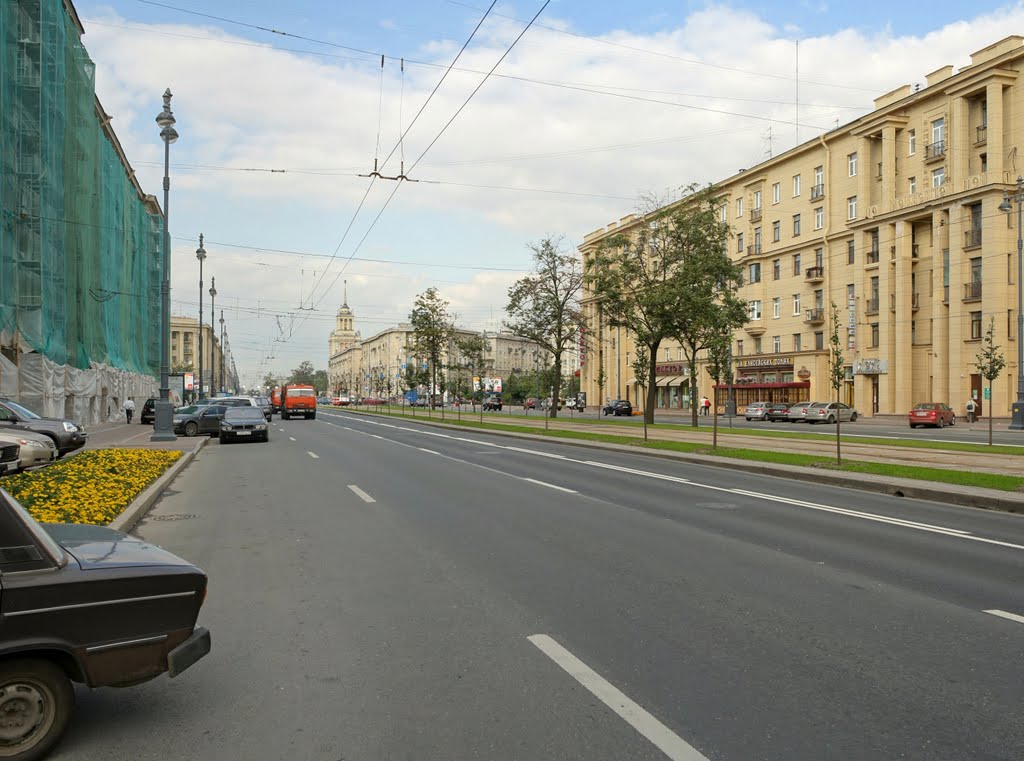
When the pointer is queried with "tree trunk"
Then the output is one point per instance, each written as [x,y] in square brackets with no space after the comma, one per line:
[652,386]
[839,422]
[990,413]
[714,423]
[693,395]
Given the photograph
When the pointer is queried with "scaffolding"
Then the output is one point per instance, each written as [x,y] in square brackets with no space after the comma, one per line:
[80,255]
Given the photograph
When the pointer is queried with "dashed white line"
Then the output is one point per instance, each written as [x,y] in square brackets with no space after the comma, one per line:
[551,486]
[361,494]
[291,438]
[314,455]
[663,738]
[429,451]
[1009,616]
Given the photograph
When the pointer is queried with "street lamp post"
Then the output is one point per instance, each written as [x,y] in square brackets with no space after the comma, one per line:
[213,354]
[163,412]
[1017,421]
[201,256]
[222,349]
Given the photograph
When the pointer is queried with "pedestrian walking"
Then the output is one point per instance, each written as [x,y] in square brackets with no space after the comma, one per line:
[971,407]
[129,408]
[707,406]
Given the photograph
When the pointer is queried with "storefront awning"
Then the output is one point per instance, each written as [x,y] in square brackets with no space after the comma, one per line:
[669,381]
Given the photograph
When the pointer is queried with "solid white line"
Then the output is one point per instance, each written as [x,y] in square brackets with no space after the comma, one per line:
[314,455]
[551,486]
[1004,614]
[663,738]
[430,451]
[362,495]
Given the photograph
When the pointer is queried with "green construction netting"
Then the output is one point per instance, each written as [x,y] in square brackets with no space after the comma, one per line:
[80,257]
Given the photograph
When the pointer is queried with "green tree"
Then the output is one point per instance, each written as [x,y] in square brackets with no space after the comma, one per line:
[990,363]
[304,374]
[269,381]
[719,364]
[544,306]
[836,372]
[472,351]
[320,382]
[433,328]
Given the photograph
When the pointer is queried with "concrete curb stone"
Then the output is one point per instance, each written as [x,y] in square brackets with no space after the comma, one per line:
[141,505]
[935,491]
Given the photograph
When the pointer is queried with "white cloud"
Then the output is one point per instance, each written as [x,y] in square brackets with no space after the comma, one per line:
[246,106]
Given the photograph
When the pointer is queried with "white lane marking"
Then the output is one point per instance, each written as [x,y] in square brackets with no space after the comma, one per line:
[663,738]
[361,494]
[1004,614]
[291,438]
[314,455]
[551,486]
[917,526]
[430,451]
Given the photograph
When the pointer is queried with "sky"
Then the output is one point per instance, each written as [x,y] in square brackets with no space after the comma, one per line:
[282,107]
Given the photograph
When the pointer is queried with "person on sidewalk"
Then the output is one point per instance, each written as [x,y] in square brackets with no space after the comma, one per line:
[971,407]
[129,408]
[707,406]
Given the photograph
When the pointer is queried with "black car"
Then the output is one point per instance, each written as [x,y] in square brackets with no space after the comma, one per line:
[777,411]
[201,419]
[492,402]
[67,435]
[85,604]
[243,424]
[148,413]
[619,407]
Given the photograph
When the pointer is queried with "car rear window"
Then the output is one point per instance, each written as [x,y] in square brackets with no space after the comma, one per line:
[243,413]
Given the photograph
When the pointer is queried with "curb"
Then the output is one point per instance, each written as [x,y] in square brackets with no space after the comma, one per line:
[141,505]
[953,494]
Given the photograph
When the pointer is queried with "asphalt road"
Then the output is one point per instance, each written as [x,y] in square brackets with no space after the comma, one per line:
[384,590]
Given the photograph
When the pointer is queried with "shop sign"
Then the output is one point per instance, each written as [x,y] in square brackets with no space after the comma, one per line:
[671,368]
[870,366]
[769,362]
[803,373]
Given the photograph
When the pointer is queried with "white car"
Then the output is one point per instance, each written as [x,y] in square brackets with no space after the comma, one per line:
[36,448]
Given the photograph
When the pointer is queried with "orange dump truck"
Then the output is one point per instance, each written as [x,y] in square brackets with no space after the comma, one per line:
[298,400]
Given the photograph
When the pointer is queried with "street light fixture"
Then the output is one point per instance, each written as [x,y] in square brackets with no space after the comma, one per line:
[213,355]
[163,410]
[1017,421]
[201,256]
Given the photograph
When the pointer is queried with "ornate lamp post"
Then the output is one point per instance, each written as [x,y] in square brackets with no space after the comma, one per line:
[213,354]
[1017,421]
[201,256]
[163,413]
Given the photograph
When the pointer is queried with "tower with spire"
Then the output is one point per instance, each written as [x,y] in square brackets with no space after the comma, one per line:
[344,333]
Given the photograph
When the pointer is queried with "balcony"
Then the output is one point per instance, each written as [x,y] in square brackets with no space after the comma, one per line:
[755,215]
[817,192]
[814,316]
[972,291]
[815,274]
[753,249]
[754,328]
[871,307]
[972,238]
[981,134]
[935,151]
[915,301]
[878,172]
[915,250]
[872,256]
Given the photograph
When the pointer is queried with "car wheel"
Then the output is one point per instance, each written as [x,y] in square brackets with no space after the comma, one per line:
[942,422]
[223,439]
[191,429]
[912,426]
[284,415]
[952,420]
[36,700]
[312,417]
[853,417]
[748,420]
[831,420]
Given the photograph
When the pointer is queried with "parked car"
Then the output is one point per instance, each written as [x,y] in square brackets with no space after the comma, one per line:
[777,411]
[418,402]
[227,401]
[263,402]
[336,401]
[757,411]
[89,605]
[530,404]
[199,419]
[798,412]
[622,407]
[938,414]
[33,448]
[492,402]
[545,404]
[243,423]
[829,412]
[609,407]
[67,434]
[9,458]
[148,412]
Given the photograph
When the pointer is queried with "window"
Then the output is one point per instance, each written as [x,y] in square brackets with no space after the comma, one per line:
[819,257]
[851,255]
[739,348]
[776,269]
[938,177]
[975,325]
[874,289]
[938,131]
[851,164]
[976,270]
[755,273]
[874,335]
[739,207]
[819,299]
[757,346]
[796,224]
[776,308]
[796,264]
[796,342]
[776,192]
[912,185]
[851,291]
[796,185]
[754,310]
[739,242]
[819,340]
[796,303]
[777,344]
[911,142]
[819,175]
[723,213]
[757,199]
[851,207]
[1009,324]
[819,218]
[776,231]
[757,240]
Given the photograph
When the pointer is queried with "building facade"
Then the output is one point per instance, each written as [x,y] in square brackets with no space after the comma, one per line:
[893,220]
[185,352]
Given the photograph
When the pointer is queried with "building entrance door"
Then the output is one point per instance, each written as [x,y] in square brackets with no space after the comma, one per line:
[976,393]
[874,394]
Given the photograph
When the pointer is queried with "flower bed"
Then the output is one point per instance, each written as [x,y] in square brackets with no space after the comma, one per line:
[91,487]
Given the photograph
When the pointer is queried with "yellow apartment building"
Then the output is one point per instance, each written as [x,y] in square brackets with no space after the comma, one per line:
[185,349]
[895,219]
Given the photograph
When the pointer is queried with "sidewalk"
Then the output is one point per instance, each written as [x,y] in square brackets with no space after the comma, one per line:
[136,436]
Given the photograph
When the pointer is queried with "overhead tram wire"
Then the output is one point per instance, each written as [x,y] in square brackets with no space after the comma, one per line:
[440,133]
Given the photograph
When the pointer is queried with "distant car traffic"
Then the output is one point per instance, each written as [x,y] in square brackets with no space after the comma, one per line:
[243,424]
[492,402]
[200,419]
[937,414]
[264,403]
[530,404]
[830,412]
[67,434]
[798,412]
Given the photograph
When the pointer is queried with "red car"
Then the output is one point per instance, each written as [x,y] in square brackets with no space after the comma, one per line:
[938,414]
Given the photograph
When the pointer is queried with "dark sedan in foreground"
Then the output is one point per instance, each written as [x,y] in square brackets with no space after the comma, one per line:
[84,604]
[68,435]
[244,424]
[201,419]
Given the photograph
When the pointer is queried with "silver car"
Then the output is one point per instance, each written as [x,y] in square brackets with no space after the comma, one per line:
[798,412]
[829,412]
[756,411]
[35,448]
